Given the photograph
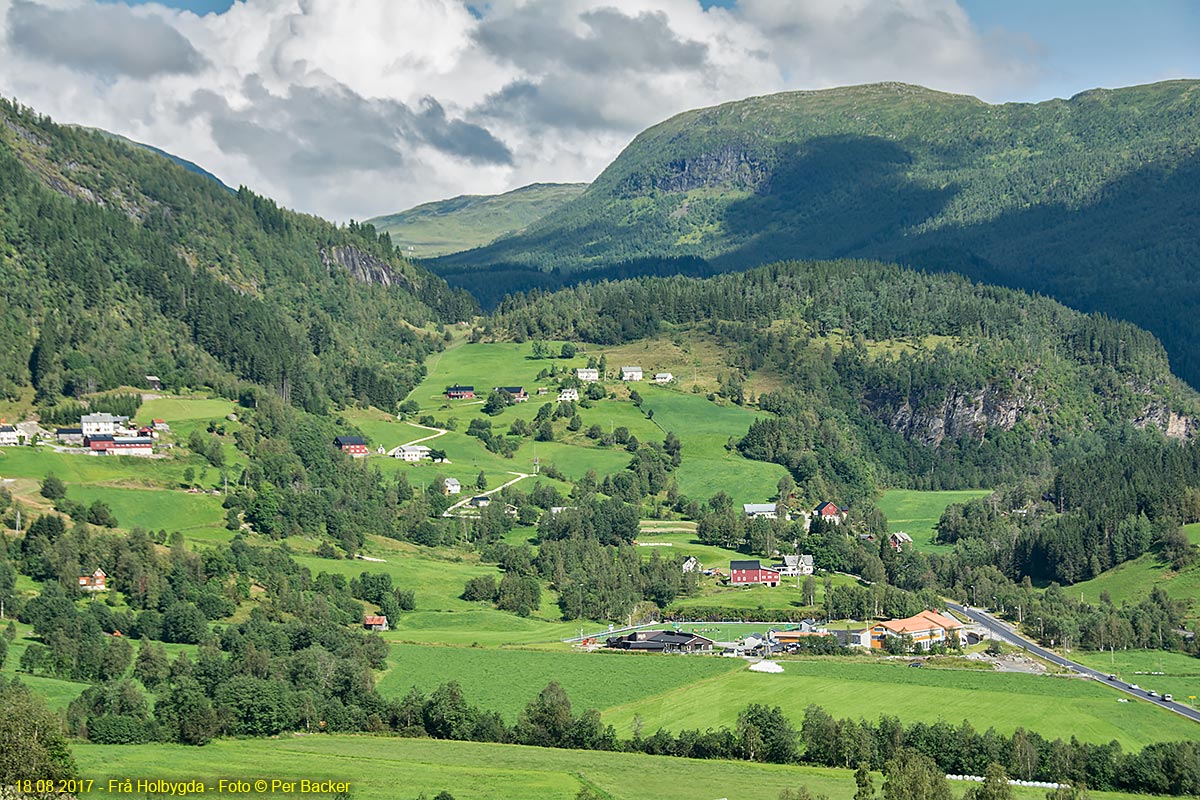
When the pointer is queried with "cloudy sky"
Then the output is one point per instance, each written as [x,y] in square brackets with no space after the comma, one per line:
[352,108]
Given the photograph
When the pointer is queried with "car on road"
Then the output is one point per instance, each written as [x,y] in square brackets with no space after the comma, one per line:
[1151,693]
[1134,687]
[1112,677]
[1168,698]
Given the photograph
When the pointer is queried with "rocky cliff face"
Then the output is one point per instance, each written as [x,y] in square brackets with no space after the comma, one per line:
[732,166]
[364,267]
[960,415]
[1174,425]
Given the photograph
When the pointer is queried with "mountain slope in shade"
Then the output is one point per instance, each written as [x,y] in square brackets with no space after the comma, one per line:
[116,263]
[467,221]
[1092,200]
[190,166]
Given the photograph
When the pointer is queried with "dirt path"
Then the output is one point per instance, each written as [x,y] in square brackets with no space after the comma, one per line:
[449,511]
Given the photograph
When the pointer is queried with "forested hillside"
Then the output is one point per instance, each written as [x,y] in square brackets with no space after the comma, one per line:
[1090,200]
[471,220]
[889,376]
[116,263]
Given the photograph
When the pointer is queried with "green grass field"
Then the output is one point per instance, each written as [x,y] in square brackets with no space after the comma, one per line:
[506,680]
[1054,707]
[197,515]
[917,513]
[1133,580]
[401,769]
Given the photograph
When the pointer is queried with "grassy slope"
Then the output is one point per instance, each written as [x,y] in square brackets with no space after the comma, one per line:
[460,223]
[384,769]
[917,513]
[1053,707]
[1133,580]
[1181,673]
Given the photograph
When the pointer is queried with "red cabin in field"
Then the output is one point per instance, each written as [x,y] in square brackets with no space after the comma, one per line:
[742,573]
[830,512]
[96,582]
[354,446]
[461,393]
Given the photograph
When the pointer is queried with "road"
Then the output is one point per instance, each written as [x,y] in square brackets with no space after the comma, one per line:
[449,512]
[1006,632]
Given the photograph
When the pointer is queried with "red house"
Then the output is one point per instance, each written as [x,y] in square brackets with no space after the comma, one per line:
[742,573]
[354,446]
[461,393]
[96,582]
[830,512]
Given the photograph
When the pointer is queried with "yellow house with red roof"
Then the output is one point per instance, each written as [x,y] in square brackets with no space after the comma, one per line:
[926,629]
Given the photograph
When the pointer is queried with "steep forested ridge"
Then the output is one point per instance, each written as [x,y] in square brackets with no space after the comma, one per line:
[1091,200]
[890,376]
[116,263]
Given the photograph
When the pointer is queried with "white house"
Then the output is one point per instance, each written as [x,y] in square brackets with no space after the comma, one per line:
[481,501]
[794,565]
[898,540]
[8,435]
[764,510]
[663,377]
[560,509]
[568,394]
[102,424]
[411,452]
[631,373]
[691,564]
[587,375]
[452,486]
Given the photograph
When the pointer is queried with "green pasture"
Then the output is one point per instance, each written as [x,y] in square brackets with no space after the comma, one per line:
[917,513]
[484,366]
[505,680]
[58,693]
[1133,580]
[1181,672]
[683,543]
[179,409]
[197,515]
[37,462]
[381,768]
[785,597]
[1054,707]
[484,625]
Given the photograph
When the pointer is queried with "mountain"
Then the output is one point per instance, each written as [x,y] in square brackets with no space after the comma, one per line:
[1091,200]
[190,166]
[878,375]
[473,220]
[116,263]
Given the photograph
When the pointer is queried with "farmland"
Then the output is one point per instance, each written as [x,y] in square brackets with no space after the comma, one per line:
[1133,580]
[1181,673]
[1054,707]
[392,769]
[917,513]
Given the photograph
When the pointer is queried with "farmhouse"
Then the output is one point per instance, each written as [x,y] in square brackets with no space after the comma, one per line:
[829,512]
[102,424]
[631,373]
[898,540]
[411,452]
[742,573]
[69,435]
[104,444]
[461,393]
[8,435]
[764,510]
[662,642]
[568,395]
[519,395]
[663,377]
[794,565]
[375,622]
[925,629]
[481,501]
[587,375]
[154,382]
[96,582]
[543,390]
[451,486]
[353,446]
[691,564]
[160,425]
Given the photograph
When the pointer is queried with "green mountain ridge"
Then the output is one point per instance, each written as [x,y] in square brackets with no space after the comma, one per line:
[471,220]
[190,166]
[117,263]
[1090,199]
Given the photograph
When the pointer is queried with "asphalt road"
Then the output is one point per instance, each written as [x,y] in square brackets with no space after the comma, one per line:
[1004,631]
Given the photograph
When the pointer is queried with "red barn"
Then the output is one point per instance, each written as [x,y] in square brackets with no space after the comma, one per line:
[375,622]
[354,446]
[461,393]
[747,572]
[830,512]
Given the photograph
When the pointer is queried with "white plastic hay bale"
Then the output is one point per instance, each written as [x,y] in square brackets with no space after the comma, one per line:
[766,666]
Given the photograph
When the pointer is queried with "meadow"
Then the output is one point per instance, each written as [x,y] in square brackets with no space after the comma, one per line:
[401,769]
[505,680]
[1054,707]
[1181,672]
[1133,580]
[917,513]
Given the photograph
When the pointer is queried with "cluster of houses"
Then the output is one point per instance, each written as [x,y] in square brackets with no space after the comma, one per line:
[826,511]
[109,434]
[632,373]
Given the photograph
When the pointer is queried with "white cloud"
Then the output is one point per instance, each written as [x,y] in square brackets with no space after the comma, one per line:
[359,107]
